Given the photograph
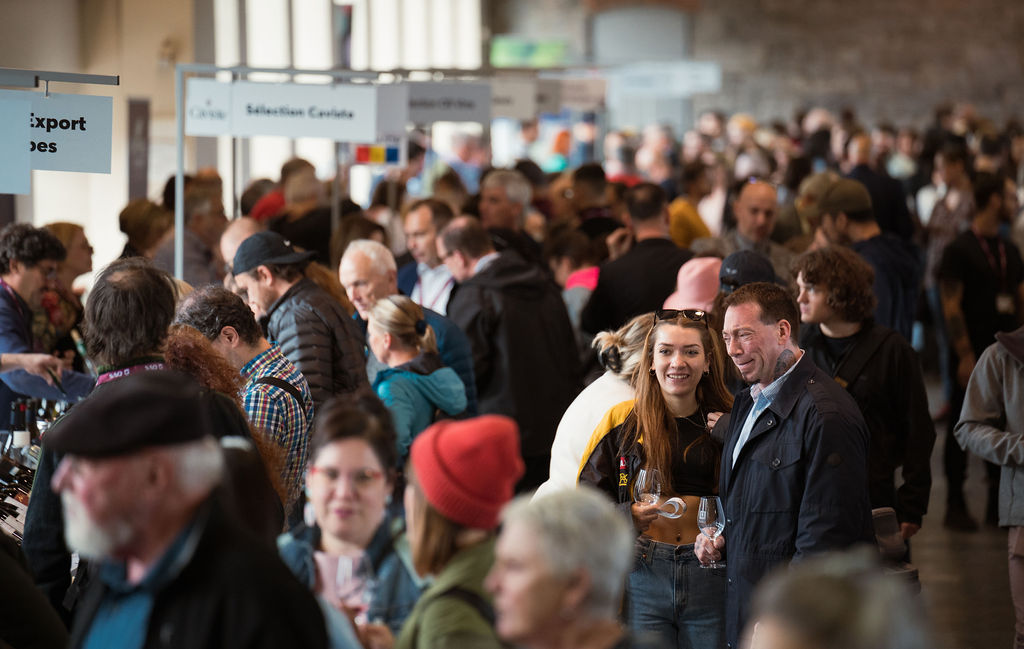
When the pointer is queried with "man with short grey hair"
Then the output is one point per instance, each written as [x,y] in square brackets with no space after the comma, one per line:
[504,201]
[367,271]
[204,223]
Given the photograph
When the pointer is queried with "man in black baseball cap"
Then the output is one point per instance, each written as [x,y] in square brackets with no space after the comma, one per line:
[313,330]
[137,481]
[745,267]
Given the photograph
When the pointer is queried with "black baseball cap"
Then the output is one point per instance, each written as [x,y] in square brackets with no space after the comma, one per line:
[151,408]
[745,267]
[266,248]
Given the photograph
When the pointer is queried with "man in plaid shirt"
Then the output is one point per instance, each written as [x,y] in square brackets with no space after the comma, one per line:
[276,396]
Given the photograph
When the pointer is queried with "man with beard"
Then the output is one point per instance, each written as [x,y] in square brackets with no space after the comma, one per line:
[138,481]
[981,283]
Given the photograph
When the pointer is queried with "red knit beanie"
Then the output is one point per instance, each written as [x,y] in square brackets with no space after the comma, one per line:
[468,469]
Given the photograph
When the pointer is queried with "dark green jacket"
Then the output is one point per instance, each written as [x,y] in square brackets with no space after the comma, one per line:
[439,621]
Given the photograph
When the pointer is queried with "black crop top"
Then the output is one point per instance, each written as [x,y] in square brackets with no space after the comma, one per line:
[695,461]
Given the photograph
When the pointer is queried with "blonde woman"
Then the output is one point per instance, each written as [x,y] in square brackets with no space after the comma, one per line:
[619,352]
[415,385]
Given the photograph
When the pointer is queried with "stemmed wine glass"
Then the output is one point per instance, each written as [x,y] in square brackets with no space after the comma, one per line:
[711,521]
[354,583]
[647,488]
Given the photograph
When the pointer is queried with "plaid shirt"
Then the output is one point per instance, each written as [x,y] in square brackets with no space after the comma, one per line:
[276,413]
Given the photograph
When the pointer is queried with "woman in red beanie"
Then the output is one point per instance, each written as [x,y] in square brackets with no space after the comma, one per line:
[667,428]
[460,475]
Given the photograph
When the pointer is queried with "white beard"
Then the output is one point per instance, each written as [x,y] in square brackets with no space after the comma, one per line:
[86,537]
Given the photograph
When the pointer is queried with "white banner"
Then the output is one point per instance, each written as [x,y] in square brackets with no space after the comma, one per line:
[392,111]
[513,97]
[15,166]
[583,94]
[449,101]
[344,113]
[666,79]
[207,107]
[67,132]
[549,96]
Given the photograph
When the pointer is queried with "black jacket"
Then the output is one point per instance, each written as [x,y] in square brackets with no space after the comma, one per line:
[881,372]
[799,487]
[320,339]
[637,282]
[234,592]
[523,347]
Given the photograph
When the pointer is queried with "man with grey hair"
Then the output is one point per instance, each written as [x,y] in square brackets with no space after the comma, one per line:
[137,481]
[368,273]
[838,601]
[204,223]
[504,202]
[560,567]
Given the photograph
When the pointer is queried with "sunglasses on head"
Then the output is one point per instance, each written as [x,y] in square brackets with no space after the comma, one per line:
[690,314]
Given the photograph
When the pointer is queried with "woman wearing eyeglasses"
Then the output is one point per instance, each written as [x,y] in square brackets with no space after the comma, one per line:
[667,428]
[349,484]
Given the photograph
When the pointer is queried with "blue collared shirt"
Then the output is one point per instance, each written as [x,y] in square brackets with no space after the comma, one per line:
[123,616]
[762,399]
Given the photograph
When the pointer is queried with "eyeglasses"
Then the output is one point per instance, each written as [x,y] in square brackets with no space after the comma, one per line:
[360,478]
[690,314]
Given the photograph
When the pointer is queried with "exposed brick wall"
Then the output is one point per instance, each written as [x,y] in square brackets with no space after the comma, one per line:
[888,59]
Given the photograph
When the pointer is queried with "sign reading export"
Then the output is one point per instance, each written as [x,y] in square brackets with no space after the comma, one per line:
[67,132]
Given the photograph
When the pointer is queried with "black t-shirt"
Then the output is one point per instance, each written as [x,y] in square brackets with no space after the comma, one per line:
[984,278]
[830,352]
[696,457]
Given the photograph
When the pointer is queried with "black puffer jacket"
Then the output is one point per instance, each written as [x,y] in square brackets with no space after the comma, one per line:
[316,334]
[523,347]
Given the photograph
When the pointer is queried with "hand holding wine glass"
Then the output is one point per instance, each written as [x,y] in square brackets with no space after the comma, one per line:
[646,494]
[711,521]
[354,585]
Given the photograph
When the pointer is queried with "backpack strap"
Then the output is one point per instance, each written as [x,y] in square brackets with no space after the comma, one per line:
[284,385]
[857,358]
[479,604]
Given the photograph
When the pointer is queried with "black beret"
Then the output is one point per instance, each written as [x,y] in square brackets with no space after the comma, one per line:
[154,408]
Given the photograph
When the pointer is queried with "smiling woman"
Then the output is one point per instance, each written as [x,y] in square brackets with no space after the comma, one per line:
[679,387]
[349,484]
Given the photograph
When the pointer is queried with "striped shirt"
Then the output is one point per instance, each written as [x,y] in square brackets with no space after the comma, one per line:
[276,413]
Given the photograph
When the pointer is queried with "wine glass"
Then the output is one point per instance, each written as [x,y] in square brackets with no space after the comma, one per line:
[647,487]
[354,583]
[711,521]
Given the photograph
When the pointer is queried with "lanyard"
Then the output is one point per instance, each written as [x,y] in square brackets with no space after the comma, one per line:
[128,371]
[1000,268]
[437,296]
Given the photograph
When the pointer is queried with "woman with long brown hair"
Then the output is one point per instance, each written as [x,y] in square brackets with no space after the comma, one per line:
[666,431]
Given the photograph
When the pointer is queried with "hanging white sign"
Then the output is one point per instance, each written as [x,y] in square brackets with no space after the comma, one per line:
[514,97]
[15,166]
[449,101]
[207,107]
[66,132]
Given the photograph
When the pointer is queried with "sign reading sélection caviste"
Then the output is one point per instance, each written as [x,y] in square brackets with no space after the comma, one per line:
[342,112]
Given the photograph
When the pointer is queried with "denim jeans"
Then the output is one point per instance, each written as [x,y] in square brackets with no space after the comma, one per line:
[671,598]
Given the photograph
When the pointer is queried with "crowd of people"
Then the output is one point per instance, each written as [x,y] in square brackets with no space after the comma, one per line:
[491,408]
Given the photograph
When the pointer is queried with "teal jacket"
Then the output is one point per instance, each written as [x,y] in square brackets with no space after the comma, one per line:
[414,392]
[442,621]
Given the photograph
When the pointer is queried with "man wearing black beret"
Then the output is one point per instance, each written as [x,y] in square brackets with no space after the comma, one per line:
[137,482]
